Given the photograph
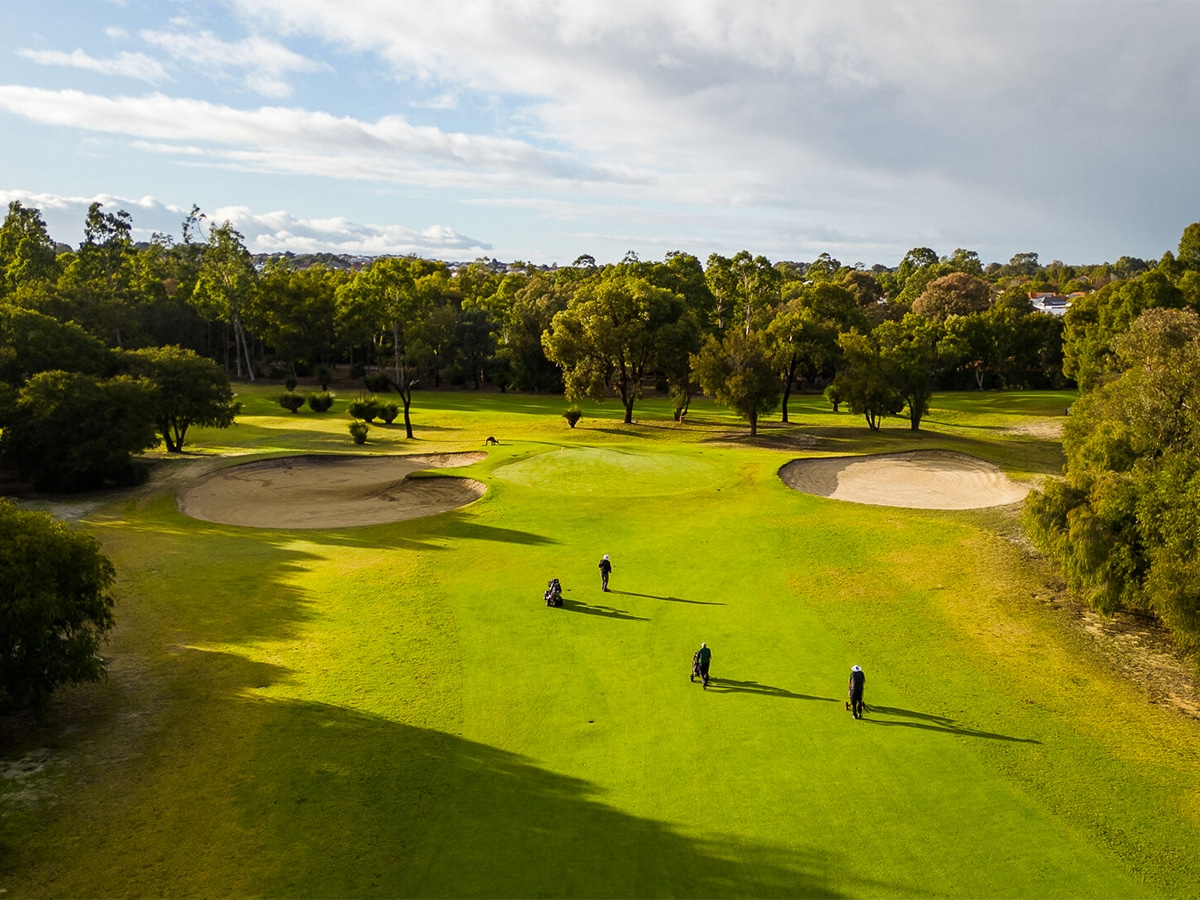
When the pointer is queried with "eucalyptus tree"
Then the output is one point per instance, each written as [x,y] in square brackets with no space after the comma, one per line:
[385,298]
[863,382]
[1124,520]
[27,253]
[739,372]
[226,285]
[608,338]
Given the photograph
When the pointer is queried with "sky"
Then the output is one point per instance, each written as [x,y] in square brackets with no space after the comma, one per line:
[542,131]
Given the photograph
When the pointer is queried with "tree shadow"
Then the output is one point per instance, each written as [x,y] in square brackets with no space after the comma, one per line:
[668,599]
[606,611]
[733,686]
[930,722]
[314,799]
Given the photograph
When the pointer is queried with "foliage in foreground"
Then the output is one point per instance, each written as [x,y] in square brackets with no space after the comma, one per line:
[1124,521]
[54,607]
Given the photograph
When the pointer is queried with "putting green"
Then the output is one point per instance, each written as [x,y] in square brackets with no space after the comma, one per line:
[608,471]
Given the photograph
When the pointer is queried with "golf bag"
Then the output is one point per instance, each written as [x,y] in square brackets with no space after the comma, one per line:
[553,595]
[696,666]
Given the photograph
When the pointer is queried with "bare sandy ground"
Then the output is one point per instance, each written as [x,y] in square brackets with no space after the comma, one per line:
[329,491]
[918,479]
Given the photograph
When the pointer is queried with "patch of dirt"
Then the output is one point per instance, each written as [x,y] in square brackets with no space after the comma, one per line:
[916,479]
[329,491]
[1049,429]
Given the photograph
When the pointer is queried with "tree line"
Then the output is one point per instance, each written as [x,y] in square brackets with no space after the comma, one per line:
[742,329]
[110,348]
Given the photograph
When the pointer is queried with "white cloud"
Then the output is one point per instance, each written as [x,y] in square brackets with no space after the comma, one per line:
[295,141]
[276,231]
[127,65]
[266,64]
[279,231]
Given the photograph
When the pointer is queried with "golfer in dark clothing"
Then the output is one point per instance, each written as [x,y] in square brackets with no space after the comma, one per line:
[605,571]
[858,680]
[703,658]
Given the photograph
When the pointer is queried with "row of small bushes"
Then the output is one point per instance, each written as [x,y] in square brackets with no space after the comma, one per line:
[370,408]
[319,402]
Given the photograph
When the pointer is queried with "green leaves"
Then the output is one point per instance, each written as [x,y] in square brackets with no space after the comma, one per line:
[54,607]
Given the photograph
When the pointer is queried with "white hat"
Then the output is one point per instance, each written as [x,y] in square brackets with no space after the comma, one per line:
[606,556]
[702,644]
[856,669]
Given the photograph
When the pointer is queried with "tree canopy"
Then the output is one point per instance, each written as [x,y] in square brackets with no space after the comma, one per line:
[55,609]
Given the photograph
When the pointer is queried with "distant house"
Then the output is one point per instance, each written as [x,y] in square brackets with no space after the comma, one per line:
[1055,304]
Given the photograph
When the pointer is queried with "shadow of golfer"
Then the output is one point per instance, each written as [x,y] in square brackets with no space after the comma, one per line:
[930,722]
[668,599]
[606,611]
[731,686]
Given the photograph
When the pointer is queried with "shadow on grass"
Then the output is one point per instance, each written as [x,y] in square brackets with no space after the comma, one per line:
[733,686]
[286,797]
[930,722]
[606,611]
[668,599]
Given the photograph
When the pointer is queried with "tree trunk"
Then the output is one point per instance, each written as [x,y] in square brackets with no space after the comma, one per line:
[406,396]
[753,424]
[240,345]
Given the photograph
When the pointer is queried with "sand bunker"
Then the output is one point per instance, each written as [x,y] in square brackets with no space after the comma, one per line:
[918,479]
[329,491]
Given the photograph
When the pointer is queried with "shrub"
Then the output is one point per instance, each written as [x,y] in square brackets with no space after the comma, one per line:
[291,401]
[290,383]
[834,396]
[573,415]
[388,412]
[324,375]
[320,402]
[365,408]
[377,382]
[358,430]
[71,432]
[56,610]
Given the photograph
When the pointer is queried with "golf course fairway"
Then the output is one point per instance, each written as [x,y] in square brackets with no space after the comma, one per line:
[391,710]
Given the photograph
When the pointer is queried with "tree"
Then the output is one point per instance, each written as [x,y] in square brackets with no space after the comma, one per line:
[72,432]
[191,390]
[738,372]
[1124,520]
[226,286]
[745,287]
[386,298]
[800,340]
[863,382]
[912,352]
[26,251]
[607,339]
[55,609]
[31,342]
[956,294]
[299,311]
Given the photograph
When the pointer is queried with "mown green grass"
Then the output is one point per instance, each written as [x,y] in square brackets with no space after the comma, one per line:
[392,711]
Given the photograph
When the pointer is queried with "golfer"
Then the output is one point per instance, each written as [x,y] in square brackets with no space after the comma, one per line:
[605,571]
[858,680]
[703,657]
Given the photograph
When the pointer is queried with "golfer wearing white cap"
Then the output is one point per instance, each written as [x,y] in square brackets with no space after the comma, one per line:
[605,571]
[858,680]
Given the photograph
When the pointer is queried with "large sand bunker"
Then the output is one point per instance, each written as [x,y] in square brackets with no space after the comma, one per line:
[329,491]
[918,479]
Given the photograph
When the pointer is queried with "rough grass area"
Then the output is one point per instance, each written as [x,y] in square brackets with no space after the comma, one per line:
[392,710]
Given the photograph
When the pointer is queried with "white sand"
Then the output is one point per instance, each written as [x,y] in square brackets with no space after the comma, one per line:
[329,491]
[918,479]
